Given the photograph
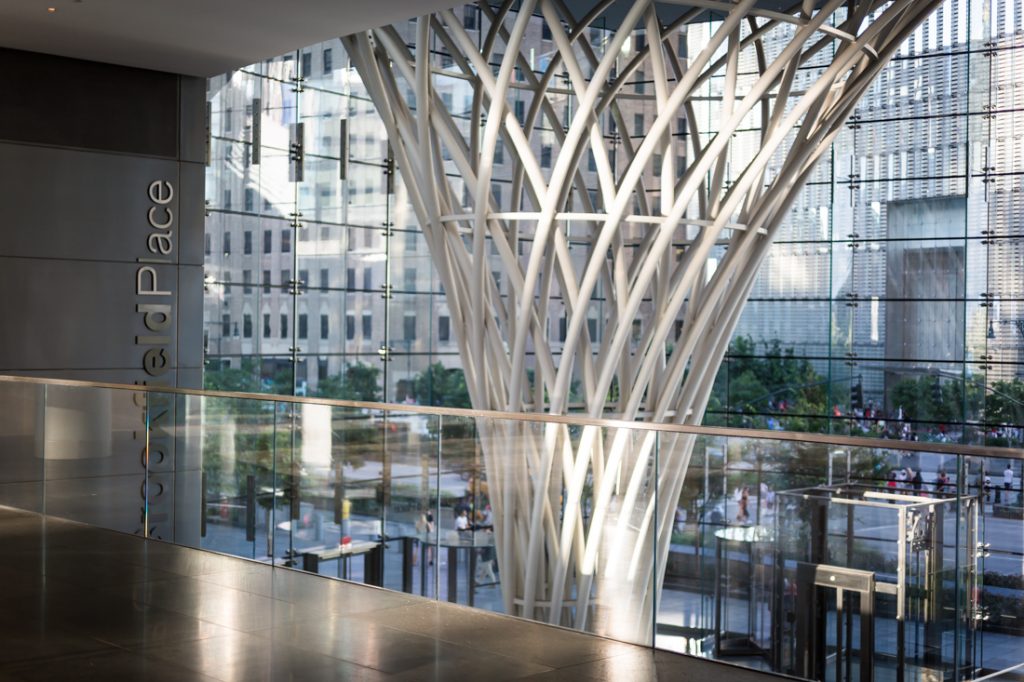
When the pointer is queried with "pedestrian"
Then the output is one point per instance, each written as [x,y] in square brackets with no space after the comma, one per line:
[462,521]
[941,481]
[424,527]
[743,516]
[485,560]
[1008,481]
[917,480]
[487,522]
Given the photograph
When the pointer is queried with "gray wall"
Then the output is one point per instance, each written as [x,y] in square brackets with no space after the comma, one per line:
[925,283]
[80,145]
[102,192]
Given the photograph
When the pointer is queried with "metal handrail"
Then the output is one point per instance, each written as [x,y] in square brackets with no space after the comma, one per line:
[568,420]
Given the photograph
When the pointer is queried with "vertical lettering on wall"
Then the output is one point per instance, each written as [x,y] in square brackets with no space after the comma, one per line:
[155,303]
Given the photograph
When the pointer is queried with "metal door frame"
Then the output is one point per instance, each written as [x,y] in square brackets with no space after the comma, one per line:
[812,581]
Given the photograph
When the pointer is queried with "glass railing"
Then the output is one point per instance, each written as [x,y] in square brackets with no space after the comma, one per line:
[819,556]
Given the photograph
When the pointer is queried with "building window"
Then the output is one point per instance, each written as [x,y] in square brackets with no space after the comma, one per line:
[521,111]
[266,281]
[545,31]
[227,200]
[367,325]
[307,64]
[303,325]
[286,241]
[325,326]
[268,241]
[368,278]
[639,85]
[350,278]
[469,18]
[592,329]
[545,156]
[225,326]
[266,325]
[444,331]
[227,243]
[284,325]
[227,282]
[247,326]
[286,277]
[247,281]
[247,242]
[249,200]
[350,326]
[208,242]
[328,61]
[562,328]
[324,279]
[410,279]
[409,326]
[321,369]
[303,280]
[499,152]
[638,125]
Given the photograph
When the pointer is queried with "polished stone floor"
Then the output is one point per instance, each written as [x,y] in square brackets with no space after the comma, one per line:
[81,603]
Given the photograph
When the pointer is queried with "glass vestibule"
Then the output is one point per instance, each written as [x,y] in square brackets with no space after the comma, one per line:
[874,584]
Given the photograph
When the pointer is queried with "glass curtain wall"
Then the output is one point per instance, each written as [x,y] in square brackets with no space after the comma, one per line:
[892,302]
[318,281]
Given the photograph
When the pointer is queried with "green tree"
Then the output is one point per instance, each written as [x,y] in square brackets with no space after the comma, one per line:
[754,385]
[359,381]
[245,379]
[1004,403]
[441,387]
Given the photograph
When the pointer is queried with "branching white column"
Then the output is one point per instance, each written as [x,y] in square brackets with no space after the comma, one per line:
[576,513]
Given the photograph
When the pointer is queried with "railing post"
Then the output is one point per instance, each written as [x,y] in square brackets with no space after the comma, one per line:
[250,508]
[202,505]
[408,555]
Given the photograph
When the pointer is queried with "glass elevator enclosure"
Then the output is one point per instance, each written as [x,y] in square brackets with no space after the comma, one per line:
[874,584]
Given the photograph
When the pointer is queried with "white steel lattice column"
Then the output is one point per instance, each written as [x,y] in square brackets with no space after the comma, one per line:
[649,229]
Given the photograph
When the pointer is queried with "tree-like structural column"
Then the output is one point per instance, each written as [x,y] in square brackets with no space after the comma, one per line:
[583,520]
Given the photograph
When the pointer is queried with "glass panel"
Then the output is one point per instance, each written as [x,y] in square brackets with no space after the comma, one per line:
[235,450]
[1000,572]
[411,505]
[22,433]
[93,442]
